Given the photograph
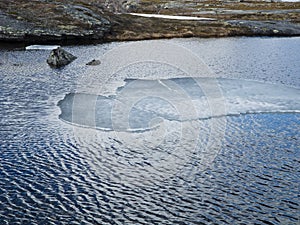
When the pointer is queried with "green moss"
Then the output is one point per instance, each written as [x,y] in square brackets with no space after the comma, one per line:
[13,13]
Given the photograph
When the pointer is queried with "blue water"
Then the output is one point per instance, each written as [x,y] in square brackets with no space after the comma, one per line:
[53,172]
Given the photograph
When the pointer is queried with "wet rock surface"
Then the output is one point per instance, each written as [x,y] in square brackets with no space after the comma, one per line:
[82,21]
[94,62]
[59,58]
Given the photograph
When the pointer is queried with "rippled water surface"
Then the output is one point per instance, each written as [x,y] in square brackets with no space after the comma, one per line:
[229,154]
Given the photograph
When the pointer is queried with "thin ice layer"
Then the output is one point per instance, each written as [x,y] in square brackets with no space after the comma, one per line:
[143,104]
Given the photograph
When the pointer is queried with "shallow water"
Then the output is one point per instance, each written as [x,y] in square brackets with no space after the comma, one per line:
[235,168]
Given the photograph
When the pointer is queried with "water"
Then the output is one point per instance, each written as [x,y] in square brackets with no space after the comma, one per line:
[236,163]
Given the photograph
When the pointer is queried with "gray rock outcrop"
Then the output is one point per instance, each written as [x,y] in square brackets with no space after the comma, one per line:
[268,28]
[61,22]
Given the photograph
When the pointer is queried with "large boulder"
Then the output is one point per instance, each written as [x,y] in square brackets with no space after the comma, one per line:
[59,57]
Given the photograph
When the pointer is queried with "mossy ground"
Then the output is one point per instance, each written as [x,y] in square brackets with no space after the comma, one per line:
[129,27]
[220,9]
[56,14]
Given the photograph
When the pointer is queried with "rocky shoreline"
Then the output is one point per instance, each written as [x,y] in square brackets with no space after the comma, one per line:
[90,21]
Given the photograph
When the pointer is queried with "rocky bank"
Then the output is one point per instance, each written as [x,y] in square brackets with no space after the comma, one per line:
[78,21]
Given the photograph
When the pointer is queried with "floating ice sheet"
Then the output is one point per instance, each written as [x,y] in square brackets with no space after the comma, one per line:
[143,104]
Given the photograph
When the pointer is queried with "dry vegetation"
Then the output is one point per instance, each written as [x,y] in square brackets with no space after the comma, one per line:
[252,10]
[127,27]
[78,15]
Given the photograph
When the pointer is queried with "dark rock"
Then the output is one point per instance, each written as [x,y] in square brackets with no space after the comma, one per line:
[130,5]
[59,57]
[268,28]
[17,64]
[94,62]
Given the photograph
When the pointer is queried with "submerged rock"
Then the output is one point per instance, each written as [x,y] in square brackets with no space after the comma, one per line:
[94,62]
[59,57]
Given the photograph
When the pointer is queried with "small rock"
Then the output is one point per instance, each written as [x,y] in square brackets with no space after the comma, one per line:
[17,64]
[59,57]
[130,5]
[94,62]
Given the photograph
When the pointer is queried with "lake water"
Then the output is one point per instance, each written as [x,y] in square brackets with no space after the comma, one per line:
[182,131]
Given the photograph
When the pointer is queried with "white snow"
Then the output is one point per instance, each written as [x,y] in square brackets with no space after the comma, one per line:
[171,17]
[42,47]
